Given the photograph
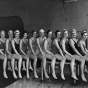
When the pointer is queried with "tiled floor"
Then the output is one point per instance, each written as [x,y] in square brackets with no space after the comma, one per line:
[48,83]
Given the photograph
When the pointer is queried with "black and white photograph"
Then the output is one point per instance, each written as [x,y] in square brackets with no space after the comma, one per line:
[43,43]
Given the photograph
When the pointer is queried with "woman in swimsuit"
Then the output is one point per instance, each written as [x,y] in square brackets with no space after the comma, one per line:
[58,52]
[32,51]
[65,48]
[2,52]
[16,50]
[9,51]
[74,51]
[49,53]
[40,51]
[24,51]
[82,46]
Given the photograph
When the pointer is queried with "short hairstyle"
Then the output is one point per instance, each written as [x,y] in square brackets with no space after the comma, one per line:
[33,31]
[64,31]
[57,32]
[48,31]
[24,32]
[10,31]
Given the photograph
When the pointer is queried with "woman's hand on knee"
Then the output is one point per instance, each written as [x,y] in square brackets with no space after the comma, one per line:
[72,57]
[63,58]
[35,56]
[4,55]
[20,56]
[53,56]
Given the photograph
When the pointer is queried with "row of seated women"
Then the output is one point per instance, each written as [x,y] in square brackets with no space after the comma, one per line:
[61,48]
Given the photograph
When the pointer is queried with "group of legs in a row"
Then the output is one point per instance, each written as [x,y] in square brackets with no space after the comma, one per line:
[61,48]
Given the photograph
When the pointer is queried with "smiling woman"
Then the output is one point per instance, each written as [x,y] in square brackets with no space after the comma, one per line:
[9,23]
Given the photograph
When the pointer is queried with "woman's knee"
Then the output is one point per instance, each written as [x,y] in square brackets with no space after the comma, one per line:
[68,57]
[20,57]
[58,57]
[26,57]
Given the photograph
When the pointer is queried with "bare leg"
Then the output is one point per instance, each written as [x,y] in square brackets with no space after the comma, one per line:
[53,67]
[9,67]
[24,68]
[34,64]
[16,68]
[72,64]
[12,63]
[44,66]
[53,61]
[62,68]
[30,67]
[27,67]
[62,63]
[82,70]
[82,60]
[19,66]
[4,67]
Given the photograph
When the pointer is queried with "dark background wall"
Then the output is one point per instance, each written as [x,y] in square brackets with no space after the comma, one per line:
[47,14]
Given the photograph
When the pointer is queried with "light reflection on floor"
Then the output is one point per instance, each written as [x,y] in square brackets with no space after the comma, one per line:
[47,83]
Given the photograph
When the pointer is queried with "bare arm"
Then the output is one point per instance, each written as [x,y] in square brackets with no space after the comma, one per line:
[1,52]
[21,41]
[7,43]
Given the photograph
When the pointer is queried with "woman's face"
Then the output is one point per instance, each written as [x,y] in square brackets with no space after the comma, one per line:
[34,34]
[85,35]
[10,34]
[2,34]
[50,34]
[25,35]
[66,34]
[74,34]
[41,34]
[58,34]
[17,35]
